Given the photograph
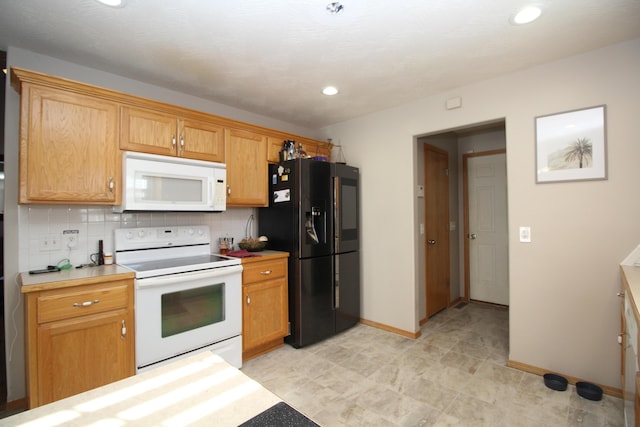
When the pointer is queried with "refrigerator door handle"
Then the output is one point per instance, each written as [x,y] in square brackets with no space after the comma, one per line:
[336,213]
[336,281]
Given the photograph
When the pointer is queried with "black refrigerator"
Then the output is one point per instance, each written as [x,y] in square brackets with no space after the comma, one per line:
[314,215]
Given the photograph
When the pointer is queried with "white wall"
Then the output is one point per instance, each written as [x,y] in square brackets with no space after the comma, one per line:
[564,313]
[25,224]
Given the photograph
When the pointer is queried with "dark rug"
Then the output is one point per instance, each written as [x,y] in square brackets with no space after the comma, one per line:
[278,415]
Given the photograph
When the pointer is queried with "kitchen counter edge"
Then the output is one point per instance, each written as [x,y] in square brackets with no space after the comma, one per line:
[72,277]
[265,255]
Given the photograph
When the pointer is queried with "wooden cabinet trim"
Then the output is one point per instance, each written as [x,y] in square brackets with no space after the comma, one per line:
[20,76]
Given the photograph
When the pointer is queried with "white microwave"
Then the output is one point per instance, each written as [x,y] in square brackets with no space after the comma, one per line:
[162,183]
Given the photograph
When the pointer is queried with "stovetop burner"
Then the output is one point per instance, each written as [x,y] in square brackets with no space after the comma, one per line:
[156,251]
[192,262]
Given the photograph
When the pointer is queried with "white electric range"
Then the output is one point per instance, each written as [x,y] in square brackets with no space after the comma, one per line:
[186,298]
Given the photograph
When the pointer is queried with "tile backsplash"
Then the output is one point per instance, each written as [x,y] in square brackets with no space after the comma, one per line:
[45,223]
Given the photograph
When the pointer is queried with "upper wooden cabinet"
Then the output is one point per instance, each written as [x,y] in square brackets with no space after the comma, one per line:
[72,134]
[158,133]
[68,147]
[311,147]
[246,159]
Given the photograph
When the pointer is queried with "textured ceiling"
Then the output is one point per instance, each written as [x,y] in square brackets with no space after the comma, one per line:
[274,57]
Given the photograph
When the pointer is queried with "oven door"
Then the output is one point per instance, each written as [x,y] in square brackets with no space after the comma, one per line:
[178,313]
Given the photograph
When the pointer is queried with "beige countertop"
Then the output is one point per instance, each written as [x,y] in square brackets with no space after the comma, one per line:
[72,277]
[88,275]
[262,255]
[202,390]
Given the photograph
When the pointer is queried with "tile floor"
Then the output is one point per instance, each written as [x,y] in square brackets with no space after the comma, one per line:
[454,374]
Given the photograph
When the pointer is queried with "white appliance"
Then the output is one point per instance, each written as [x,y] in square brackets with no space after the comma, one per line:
[162,183]
[186,298]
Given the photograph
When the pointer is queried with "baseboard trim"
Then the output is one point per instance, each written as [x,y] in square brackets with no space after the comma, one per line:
[17,404]
[412,335]
[612,391]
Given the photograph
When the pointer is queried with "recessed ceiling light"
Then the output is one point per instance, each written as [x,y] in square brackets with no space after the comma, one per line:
[112,3]
[526,15]
[334,8]
[330,90]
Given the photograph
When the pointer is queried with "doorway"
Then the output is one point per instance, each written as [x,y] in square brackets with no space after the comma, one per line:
[457,142]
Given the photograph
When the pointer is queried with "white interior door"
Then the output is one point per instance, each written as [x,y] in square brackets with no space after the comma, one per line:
[487,238]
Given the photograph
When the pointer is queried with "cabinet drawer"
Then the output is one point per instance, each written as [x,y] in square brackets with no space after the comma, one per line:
[81,302]
[259,271]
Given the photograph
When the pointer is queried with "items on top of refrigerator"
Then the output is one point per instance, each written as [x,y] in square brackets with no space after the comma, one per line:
[290,151]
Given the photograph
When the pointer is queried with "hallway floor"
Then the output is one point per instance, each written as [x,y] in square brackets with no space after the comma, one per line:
[454,374]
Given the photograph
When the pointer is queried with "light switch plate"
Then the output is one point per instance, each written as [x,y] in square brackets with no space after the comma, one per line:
[525,234]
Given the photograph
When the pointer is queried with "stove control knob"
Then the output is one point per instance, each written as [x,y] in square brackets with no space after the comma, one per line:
[129,235]
[141,233]
[200,232]
[190,231]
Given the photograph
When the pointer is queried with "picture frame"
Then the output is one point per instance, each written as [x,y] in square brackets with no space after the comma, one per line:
[571,146]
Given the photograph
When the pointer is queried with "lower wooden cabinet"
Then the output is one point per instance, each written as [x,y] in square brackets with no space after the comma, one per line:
[265,314]
[78,338]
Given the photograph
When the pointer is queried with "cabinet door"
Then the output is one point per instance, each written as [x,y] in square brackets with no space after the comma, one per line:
[273,150]
[311,147]
[68,148]
[148,131]
[265,313]
[246,158]
[79,354]
[201,141]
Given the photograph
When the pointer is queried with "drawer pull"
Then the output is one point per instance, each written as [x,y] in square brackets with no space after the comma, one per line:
[86,303]
[266,272]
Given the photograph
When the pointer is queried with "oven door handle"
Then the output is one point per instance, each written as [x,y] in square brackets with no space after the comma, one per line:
[188,276]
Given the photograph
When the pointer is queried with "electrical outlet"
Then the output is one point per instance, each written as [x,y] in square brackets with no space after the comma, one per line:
[49,242]
[70,238]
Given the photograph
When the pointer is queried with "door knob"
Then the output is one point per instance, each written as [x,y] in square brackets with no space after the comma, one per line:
[431,242]
[472,236]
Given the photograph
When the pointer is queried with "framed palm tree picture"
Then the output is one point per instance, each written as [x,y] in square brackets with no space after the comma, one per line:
[571,146]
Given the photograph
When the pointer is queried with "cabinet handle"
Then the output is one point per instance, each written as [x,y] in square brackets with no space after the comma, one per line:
[86,303]
[248,300]
[111,184]
[173,142]
[228,190]
[620,339]
[123,332]
[181,143]
[620,294]
[266,272]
